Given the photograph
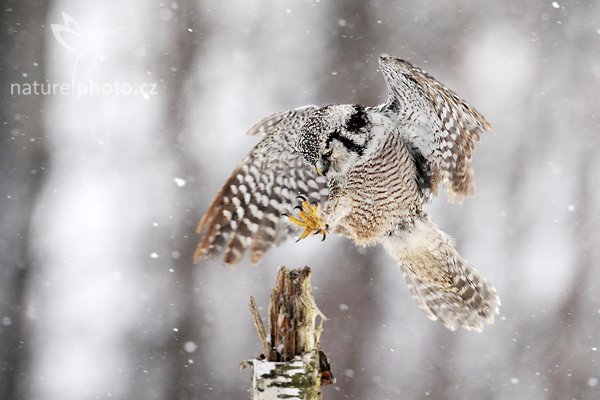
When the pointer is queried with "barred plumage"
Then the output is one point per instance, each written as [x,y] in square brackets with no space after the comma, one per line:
[443,283]
[246,212]
[379,165]
[437,122]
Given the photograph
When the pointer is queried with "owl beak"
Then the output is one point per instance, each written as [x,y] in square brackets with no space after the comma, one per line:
[322,167]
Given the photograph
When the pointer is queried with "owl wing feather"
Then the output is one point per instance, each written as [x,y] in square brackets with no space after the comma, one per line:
[443,283]
[440,126]
[247,211]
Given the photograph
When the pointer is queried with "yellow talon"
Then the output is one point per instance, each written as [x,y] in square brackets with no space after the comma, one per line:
[304,234]
[297,221]
[310,219]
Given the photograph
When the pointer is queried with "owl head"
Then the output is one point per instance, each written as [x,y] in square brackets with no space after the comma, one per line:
[334,138]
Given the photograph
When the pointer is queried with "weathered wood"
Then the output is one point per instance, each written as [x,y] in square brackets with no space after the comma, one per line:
[260,327]
[292,314]
[293,366]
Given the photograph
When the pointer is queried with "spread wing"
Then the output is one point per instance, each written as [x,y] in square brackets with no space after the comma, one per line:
[247,211]
[441,127]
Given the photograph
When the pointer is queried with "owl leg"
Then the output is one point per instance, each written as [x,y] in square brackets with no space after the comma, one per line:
[310,218]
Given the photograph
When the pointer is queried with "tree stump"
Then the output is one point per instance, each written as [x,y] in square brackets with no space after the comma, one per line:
[292,365]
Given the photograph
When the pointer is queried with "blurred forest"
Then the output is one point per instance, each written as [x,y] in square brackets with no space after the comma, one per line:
[100,195]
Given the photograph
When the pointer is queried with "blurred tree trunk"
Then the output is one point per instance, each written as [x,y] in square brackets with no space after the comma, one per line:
[184,378]
[571,371]
[23,166]
[440,362]
[172,349]
[351,66]
[570,345]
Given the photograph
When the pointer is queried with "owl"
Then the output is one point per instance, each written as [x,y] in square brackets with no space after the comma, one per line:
[363,172]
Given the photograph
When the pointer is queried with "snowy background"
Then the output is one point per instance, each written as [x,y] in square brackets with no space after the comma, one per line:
[100,194]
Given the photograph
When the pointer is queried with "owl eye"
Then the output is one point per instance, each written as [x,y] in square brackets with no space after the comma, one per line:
[328,152]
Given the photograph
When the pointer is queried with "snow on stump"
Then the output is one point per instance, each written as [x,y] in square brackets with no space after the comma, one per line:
[292,365]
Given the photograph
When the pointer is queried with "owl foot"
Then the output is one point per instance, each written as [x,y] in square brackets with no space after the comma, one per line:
[309,218]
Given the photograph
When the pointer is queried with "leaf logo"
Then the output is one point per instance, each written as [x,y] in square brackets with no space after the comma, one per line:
[87,45]
[70,27]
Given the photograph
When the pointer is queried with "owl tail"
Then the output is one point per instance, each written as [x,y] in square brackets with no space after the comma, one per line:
[443,283]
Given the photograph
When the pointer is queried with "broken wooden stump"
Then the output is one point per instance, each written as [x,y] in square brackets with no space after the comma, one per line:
[292,365]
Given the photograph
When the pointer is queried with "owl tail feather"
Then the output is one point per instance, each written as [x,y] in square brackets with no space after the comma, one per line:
[443,283]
